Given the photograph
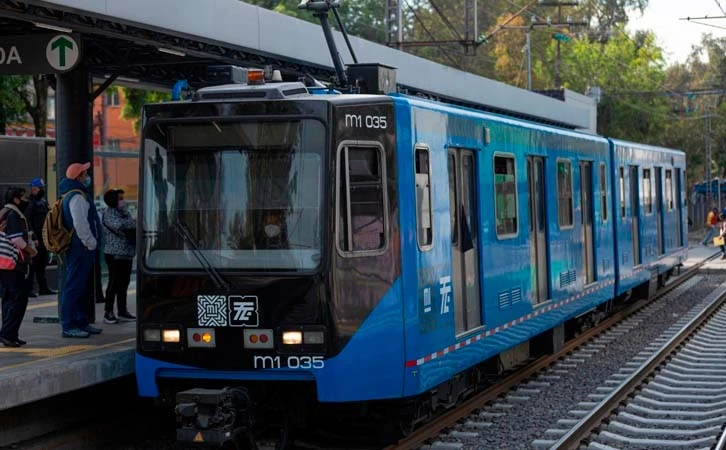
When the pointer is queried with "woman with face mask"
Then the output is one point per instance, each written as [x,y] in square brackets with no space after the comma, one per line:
[15,294]
[119,230]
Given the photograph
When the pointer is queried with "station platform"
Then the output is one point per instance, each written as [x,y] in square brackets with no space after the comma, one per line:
[50,365]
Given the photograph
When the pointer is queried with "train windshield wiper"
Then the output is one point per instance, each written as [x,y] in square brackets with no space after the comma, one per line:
[214,275]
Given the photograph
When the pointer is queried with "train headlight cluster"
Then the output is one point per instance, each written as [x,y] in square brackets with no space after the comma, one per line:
[292,337]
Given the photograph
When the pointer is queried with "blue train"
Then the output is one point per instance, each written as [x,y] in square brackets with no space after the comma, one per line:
[305,246]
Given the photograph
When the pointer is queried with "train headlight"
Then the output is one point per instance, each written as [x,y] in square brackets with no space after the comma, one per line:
[292,337]
[152,335]
[171,336]
[314,337]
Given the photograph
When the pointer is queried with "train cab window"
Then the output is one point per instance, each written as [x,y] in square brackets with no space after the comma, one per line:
[604,192]
[423,198]
[564,194]
[669,189]
[505,196]
[362,219]
[622,191]
[647,195]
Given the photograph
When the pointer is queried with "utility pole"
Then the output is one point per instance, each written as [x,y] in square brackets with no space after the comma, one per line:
[394,23]
[529,59]
[708,156]
[559,5]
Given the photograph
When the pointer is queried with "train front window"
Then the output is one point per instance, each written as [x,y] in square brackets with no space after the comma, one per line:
[250,195]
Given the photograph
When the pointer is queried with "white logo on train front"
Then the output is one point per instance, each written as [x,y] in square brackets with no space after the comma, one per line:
[212,310]
[243,311]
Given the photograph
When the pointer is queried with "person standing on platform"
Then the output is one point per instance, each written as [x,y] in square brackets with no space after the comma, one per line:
[15,295]
[119,230]
[78,213]
[36,212]
[711,226]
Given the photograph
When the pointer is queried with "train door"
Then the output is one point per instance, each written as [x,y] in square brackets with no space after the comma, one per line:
[679,208]
[588,243]
[465,240]
[537,228]
[635,214]
[659,208]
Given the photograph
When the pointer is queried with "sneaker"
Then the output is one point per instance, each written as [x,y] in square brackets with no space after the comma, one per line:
[126,316]
[91,329]
[48,292]
[75,333]
[109,318]
[8,342]
[21,342]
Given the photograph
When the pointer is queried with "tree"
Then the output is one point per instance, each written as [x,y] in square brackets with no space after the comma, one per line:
[604,16]
[11,104]
[21,94]
[36,102]
[135,99]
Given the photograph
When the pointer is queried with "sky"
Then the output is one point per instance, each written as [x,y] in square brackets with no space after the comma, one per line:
[677,36]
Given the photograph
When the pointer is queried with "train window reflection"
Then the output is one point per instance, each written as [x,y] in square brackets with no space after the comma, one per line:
[250,195]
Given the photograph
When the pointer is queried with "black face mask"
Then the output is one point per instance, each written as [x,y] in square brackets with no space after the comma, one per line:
[40,194]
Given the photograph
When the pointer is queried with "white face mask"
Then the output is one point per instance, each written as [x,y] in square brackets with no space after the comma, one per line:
[272,230]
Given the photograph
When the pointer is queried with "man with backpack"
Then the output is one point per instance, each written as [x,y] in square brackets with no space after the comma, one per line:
[75,239]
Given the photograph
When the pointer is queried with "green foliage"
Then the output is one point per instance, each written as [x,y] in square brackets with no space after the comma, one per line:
[12,107]
[135,99]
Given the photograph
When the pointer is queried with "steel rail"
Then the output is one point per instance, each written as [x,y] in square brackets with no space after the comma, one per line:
[447,420]
[584,428]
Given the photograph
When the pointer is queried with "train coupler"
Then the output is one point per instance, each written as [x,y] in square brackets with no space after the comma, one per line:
[213,418]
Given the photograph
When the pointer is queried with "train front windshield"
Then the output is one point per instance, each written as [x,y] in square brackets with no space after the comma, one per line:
[234,195]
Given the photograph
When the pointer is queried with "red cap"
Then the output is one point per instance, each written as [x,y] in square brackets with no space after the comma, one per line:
[75,169]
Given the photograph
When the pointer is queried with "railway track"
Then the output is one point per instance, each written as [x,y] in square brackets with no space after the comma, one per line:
[476,413]
[674,397]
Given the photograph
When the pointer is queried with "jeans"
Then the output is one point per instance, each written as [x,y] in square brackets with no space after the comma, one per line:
[710,232]
[79,267]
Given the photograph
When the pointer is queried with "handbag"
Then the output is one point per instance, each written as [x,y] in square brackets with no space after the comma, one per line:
[718,241]
[8,253]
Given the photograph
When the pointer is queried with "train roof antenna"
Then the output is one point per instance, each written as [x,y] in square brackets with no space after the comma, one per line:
[320,10]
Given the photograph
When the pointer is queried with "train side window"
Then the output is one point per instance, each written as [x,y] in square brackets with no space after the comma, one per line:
[362,218]
[647,195]
[565,206]
[423,198]
[451,162]
[505,196]
[669,189]
[604,192]
[622,191]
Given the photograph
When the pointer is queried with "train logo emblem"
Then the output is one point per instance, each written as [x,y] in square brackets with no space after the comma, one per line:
[243,311]
[212,310]
[223,311]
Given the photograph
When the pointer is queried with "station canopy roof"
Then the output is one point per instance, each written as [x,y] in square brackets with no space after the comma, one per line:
[157,42]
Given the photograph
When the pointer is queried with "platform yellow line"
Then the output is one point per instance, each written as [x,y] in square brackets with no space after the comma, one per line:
[82,349]
[42,305]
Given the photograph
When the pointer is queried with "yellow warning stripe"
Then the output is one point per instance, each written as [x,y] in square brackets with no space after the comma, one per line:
[60,352]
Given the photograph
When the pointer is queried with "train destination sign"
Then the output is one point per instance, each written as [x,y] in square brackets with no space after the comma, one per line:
[39,53]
